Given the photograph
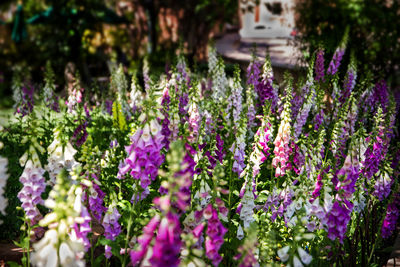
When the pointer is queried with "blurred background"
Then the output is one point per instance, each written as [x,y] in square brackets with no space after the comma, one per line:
[93,36]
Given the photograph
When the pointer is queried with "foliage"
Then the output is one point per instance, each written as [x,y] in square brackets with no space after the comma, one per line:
[373,36]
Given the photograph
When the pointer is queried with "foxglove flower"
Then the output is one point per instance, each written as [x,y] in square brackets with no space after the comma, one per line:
[219,82]
[165,131]
[96,196]
[319,66]
[30,195]
[194,122]
[144,240]
[391,218]
[167,244]
[74,99]
[265,89]
[59,157]
[281,151]
[63,243]
[238,150]
[3,180]
[110,223]
[303,115]
[144,156]
[382,186]
[215,235]
[254,72]
[136,96]
[234,106]
[335,62]
[251,111]
[26,105]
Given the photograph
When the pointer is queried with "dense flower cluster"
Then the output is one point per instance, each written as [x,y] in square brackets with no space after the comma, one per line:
[224,172]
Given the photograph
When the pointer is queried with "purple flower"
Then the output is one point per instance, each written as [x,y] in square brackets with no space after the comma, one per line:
[144,154]
[373,156]
[80,134]
[215,235]
[319,66]
[165,131]
[335,62]
[382,186]
[338,219]
[27,102]
[110,223]
[108,105]
[381,95]
[348,85]
[253,73]
[392,215]
[96,196]
[219,152]
[83,228]
[167,244]
[144,240]
[30,195]
[107,251]
[318,119]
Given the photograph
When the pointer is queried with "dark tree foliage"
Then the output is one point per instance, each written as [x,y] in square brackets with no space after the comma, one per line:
[374,30]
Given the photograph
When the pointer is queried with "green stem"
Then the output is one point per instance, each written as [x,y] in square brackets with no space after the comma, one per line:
[92,245]
[127,235]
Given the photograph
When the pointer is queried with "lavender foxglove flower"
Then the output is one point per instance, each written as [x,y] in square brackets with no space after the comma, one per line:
[335,62]
[96,196]
[194,122]
[251,111]
[254,72]
[238,150]
[110,223]
[266,89]
[146,77]
[339,215]
[374,154]
[381,95]
[26,105]
[30,195]
[82,229]
[80,134]
[219,82]
[3,180]
[348,84]
[319,66]
[144,156]
[302,115]
[382,186]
